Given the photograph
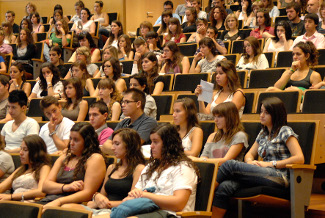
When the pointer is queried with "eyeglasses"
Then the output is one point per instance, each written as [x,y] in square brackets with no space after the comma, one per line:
[165,50]
[127,101]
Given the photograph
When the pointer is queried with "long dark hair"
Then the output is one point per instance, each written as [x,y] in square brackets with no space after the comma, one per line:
[91,146]
[111,37]
[287,29]
[86,35]
[133,155]
[177,56]
[275,107]
[29,36]
[76,83]
[191,113]
[116,67]
[55,72]
[37,154]
[172,152]
[154,73]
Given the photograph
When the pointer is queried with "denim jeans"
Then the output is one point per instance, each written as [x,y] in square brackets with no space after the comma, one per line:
[234,174]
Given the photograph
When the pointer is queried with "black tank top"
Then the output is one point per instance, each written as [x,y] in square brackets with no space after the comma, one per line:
[305,83]
[117,189]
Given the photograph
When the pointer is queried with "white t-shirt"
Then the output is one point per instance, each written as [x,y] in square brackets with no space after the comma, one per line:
[57,88]
[62,131]
[172,179]
[14,139]
[261,63]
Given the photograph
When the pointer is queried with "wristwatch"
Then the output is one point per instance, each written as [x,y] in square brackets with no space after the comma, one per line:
[274,163]
[52,133]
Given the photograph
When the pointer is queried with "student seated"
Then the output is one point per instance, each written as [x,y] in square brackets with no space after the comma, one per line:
[4,94]
[77,174]
[56,133]
[18,79]
[276,144]
[132,106]
[15,130]
[27,180]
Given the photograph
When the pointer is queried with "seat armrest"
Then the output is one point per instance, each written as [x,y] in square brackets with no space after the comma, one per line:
[39,60]
[194,214]
[301,166]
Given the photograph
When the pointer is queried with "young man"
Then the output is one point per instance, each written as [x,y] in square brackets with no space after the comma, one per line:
[293,13]
[311,23]
[4,94]
[10,17]
[132,106]
[168,5]
[200,14]
[98,112]
[15,130]
[56,133]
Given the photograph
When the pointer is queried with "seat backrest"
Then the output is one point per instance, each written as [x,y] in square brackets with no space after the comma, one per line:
[188,35]
[205,186]
[16,159]
[284,59]
[13,209]
[112,124]
[95,82]
[264,78]
[283,12]
[191,96]
[47,27]
[39,50]
[64,212]
[168,81]
[164,104]
[290,99]
[320,70]
[249,103]
[188,82]
[314,101]
[237,46]
[35,110]
[188,49]
[41,36]
[227,46]
[270,58]
[252,129]
[208,127]
[8,60]
[321,58]
[127,66]
[280,18]
[242,75]
[112,16]
[232,58]
[44,20]
[127,81]
[89,100]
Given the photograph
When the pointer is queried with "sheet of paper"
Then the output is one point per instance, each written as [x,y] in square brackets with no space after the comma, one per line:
[207,91]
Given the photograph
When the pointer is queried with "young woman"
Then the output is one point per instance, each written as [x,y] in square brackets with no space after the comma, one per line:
[163,29]
[18,80]
[187,124]
[108,52]
[27,181]
[8,33]
[85,39]
[101,17]
[300,76]
[112,70]
[108,94]
[252,58]
[282,40]
[79,70]
[145,27]
[57,15]
[276,144]
[150,71]
[153,42]
[75,108]
[140,82]
[77,7]
[269,6]
[217,17]
[29,9]
[173,61]
[201,32]
[321,25]
[85,24]
[190,25]
[77,174]
[229,141]
[245,10]
[125,52]
[206,60]
[55,58]
[27,24]
[232,32]
[84,54]
[174,191]
[263,21]
[175,33]
[59,37]
[121,177]
[141,48]
[116,31]
[36,23]
[25,50]
[251,19]
[227,89]
[49,83]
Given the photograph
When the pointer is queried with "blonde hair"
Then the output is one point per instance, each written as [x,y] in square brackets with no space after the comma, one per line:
[84,51]
[232,15]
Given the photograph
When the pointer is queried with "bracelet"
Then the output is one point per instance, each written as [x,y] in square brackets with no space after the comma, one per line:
[292,70]
[63,184]
[49,83]
[94,196]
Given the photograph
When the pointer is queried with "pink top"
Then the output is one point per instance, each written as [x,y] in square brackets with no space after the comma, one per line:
[317,38]
[176,40]
[256,33]
[104,135]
